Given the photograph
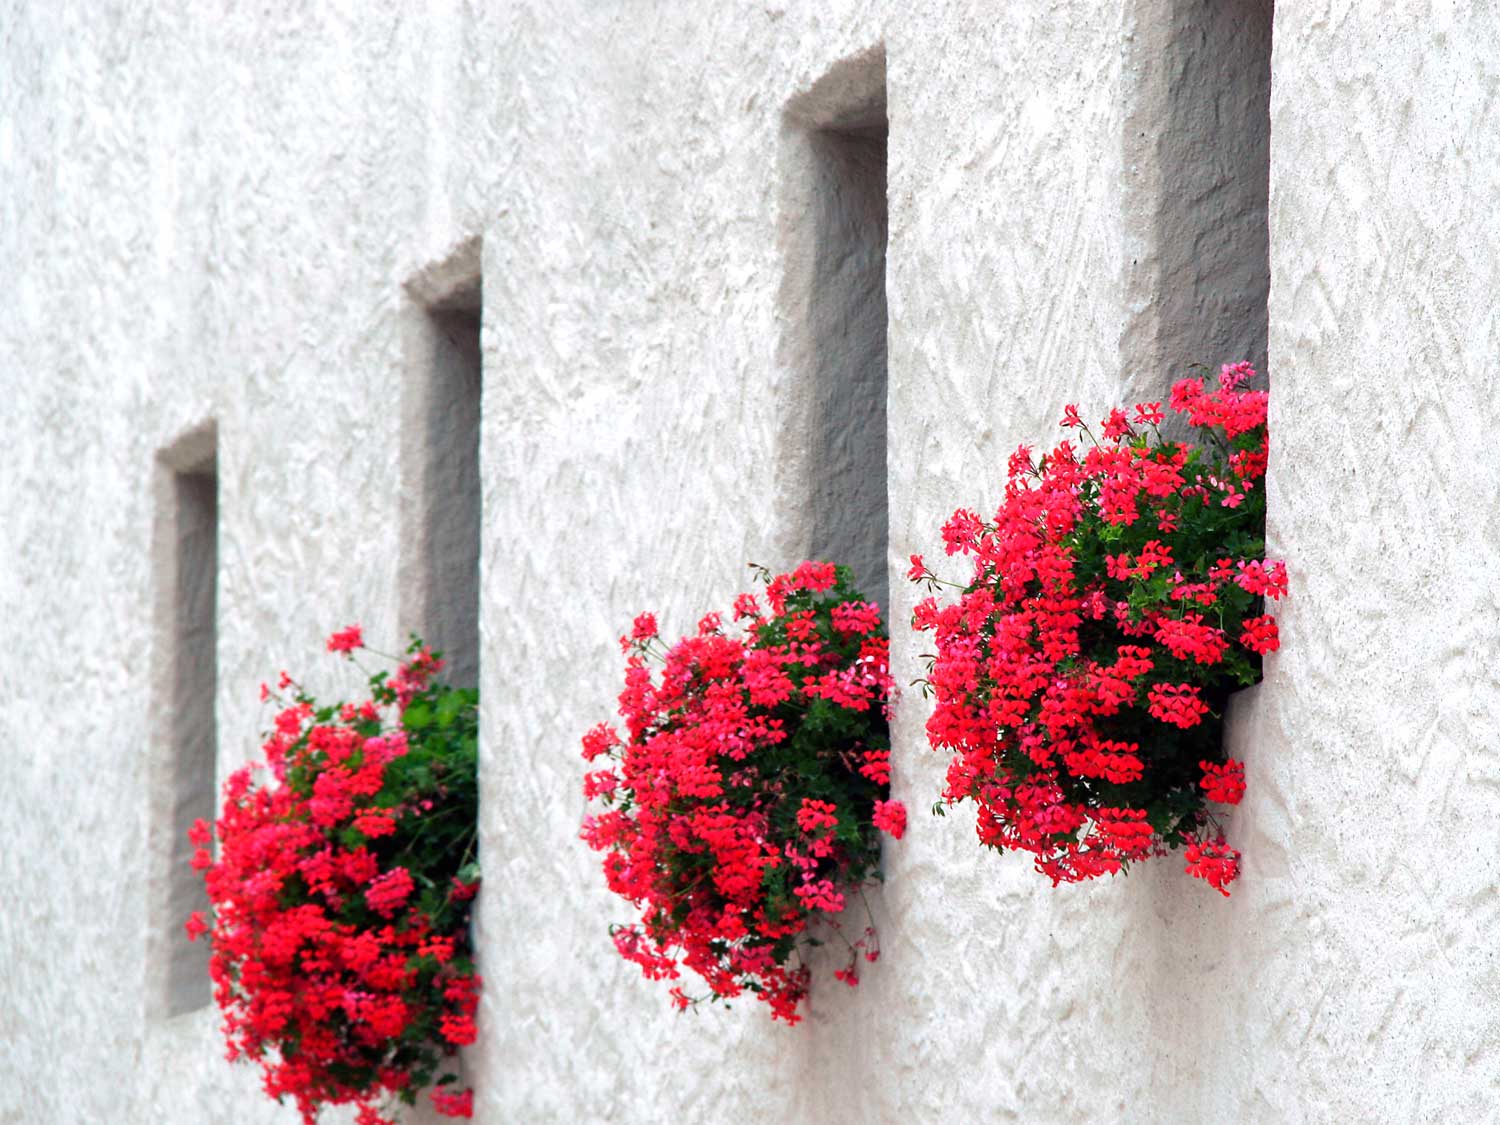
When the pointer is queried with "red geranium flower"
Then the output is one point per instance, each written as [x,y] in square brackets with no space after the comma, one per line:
[1080,676]
[743,803]
[328,950]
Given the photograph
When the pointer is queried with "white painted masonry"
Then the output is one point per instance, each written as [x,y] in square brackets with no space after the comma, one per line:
[233,215]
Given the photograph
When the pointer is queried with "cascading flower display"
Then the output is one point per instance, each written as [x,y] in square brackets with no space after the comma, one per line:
[341,894]
[1117,600]
[747,796]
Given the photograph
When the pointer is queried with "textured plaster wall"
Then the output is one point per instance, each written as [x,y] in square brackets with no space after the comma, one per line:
[215,215]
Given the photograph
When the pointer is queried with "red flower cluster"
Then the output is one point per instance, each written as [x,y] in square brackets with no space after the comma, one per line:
[341,895]
[1116,602]
[746,798]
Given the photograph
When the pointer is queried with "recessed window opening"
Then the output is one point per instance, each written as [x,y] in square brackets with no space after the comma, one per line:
[442,405]
[1200,135]
[187,570]
[842,130]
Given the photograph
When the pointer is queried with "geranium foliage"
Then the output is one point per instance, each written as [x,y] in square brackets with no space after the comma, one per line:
[746,799]
[1117,600]
[341,893]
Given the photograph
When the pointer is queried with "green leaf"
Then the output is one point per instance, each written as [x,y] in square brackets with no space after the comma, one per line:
[449,708]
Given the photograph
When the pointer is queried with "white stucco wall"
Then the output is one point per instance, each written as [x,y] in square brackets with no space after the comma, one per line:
[215,215]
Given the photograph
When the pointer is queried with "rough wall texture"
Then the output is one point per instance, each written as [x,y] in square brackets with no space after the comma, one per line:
[213,215]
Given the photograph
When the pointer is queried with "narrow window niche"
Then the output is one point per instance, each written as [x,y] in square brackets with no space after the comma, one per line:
[1197,162]
[185,735]
[834,227]
[441,495]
